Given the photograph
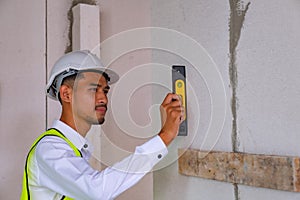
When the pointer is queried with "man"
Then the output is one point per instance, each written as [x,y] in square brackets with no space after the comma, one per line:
[57,164]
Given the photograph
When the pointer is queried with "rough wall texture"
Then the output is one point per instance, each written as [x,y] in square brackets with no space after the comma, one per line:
[207,23]
[268,97]
[262,44]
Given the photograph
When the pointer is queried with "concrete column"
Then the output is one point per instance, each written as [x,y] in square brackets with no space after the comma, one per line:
[86,28]
[86,36]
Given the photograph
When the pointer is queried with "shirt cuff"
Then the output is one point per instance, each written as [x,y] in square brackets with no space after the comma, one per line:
[154,147]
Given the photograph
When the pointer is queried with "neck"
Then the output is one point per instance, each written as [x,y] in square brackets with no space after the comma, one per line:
[80,127]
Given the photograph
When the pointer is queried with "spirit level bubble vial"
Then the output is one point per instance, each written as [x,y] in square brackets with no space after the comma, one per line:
[179,87]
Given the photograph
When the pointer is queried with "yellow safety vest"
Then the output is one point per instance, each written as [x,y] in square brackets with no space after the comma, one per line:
[51,132]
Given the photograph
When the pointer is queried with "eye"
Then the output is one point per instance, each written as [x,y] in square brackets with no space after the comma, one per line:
[93,89]
[105,91]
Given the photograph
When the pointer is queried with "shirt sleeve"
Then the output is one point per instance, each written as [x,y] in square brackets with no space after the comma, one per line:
[61,171]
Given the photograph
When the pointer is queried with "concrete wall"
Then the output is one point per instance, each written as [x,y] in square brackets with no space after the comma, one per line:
[256,51]
[267,90]
[207,23]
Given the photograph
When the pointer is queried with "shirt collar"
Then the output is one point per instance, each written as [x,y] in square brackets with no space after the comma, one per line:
[79,141]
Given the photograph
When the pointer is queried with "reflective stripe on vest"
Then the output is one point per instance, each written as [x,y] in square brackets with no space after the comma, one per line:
[51,132]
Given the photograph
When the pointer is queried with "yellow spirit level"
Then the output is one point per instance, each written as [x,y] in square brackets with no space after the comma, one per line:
[179,87]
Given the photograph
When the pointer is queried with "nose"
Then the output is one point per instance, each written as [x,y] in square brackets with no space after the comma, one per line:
[101,97]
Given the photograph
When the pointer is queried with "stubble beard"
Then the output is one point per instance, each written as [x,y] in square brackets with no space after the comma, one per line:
[96,120]
[101,121]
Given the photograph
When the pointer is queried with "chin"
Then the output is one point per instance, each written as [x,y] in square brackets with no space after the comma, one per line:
[101,121]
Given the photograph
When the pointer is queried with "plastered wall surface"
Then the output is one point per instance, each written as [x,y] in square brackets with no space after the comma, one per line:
[58,27]
[268,79]
[268,76]
[33,36]
[115,18]
[256,47]
[207,23]
[22,80]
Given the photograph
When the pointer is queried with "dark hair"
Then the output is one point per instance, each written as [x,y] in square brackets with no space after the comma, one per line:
[69,80]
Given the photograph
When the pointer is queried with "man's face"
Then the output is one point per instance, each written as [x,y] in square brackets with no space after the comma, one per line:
[90,98]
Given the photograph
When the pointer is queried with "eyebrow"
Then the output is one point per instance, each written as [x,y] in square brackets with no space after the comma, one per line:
[98,85]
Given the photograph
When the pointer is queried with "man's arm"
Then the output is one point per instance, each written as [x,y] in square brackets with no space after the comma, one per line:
[60,171]
[72,176]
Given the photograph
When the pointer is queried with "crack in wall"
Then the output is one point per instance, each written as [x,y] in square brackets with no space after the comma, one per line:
[71,19]
[237,16]
[236,191]
[238,11]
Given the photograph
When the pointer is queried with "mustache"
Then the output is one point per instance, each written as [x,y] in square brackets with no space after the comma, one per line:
[101,105]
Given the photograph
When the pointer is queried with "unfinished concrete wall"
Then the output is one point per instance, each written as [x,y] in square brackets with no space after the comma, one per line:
[207,23]
[255,46]
[268,85]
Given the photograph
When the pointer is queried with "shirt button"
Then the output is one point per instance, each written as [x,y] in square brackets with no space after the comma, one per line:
[85,146]
[159,156]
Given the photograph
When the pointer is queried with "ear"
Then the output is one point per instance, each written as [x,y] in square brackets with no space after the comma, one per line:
[65,93]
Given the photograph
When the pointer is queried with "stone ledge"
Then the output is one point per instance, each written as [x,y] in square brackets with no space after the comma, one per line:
[275,172]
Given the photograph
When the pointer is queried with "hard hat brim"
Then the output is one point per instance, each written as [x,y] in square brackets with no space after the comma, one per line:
[113,76]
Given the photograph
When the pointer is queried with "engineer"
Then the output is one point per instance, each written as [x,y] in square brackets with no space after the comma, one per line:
[57,165]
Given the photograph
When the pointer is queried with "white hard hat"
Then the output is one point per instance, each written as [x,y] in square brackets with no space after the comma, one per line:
[70,64]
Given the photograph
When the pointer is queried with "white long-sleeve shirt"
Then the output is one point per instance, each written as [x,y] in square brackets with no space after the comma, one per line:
[56,171]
